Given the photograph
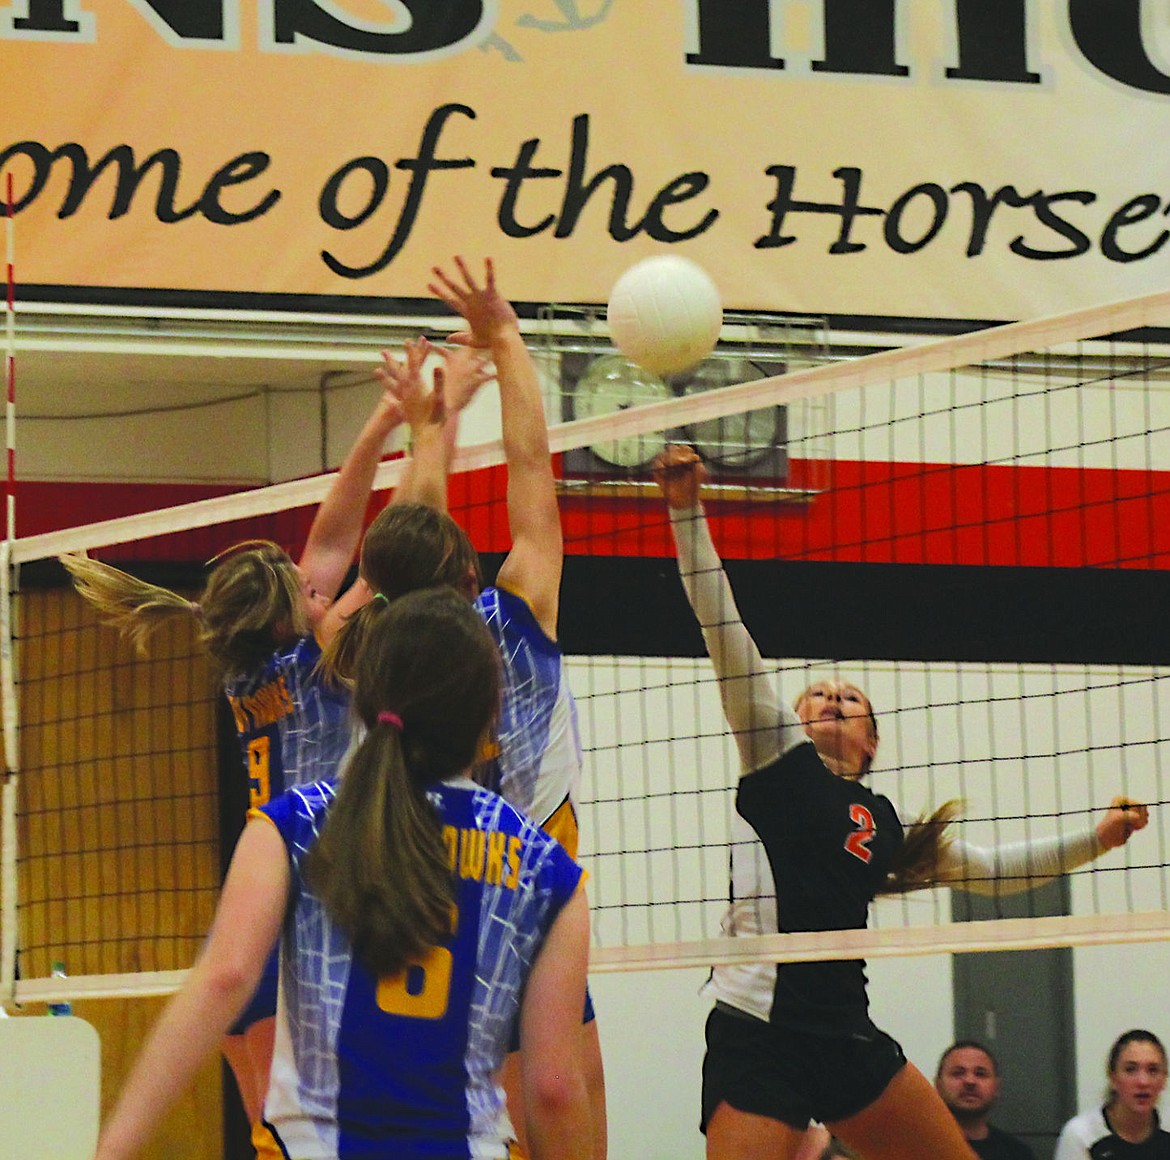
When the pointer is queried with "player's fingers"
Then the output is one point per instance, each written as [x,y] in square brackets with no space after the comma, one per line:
[1137,814]
[445,289]
[388,372]
[416,353]
[461,265]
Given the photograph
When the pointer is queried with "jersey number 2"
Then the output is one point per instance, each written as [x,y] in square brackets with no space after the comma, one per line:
[858,842]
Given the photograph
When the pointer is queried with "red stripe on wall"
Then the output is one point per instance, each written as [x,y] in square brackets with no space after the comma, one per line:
[913,513]
[904,513]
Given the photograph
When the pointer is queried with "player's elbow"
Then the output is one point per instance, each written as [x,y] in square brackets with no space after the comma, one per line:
[554,1094]
[228,982]
[557,1109]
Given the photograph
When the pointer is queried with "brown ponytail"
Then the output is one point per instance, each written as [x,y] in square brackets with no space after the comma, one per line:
[339,656]
[916,865]
[426,687]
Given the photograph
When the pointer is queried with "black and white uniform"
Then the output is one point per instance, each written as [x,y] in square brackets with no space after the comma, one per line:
[1090,1136]
[826,842]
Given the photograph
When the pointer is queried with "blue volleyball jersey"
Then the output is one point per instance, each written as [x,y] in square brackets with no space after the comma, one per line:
[405,1066]
[293,726]
[536,763]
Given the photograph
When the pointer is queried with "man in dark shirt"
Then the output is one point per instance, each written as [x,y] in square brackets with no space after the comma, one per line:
[968,1081]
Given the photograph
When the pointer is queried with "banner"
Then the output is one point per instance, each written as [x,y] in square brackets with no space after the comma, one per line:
[966,159]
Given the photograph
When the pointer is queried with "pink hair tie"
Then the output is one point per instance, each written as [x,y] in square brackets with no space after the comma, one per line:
[392,719]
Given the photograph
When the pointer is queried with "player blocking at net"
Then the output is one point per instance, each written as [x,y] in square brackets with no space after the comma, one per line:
[534,760]
[811,848]
[265,620]
[422,917]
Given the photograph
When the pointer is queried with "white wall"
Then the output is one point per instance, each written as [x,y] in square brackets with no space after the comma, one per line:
[651,1025]
[222,420]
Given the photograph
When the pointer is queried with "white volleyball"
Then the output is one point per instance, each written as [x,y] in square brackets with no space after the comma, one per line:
[664,314]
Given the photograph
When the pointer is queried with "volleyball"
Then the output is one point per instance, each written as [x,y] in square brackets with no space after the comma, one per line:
[664,314]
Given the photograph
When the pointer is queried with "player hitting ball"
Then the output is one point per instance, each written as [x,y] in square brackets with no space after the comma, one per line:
[812,846]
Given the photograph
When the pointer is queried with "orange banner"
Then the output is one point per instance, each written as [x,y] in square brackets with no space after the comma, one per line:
[979,159]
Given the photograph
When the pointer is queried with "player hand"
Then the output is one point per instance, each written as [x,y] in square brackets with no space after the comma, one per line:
[488,313]
[680,473]
[463,372]
[403,383]
[1125,817]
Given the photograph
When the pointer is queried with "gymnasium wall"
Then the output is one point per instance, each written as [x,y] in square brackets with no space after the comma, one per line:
[860,159]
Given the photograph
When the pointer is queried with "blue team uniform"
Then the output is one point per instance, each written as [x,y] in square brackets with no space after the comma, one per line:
[405,1066]
[293,726]
[537,763]
[293,729]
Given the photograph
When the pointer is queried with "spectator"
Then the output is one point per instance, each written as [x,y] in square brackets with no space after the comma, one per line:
[968,1081]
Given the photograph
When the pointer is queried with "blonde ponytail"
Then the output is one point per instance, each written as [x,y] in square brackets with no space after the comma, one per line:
[251,604]
[132,606]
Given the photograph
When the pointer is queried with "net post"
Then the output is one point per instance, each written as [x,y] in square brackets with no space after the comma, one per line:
[8,893]
[10,355]
[8,890]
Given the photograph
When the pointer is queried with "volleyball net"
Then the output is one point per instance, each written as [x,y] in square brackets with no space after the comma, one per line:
[974,529]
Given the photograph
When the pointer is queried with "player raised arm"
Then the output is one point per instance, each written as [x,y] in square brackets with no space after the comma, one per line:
[763,727]
[433,414]
[433,418]
[337,526]
[532,569]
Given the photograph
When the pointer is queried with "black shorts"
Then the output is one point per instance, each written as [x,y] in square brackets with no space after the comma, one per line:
[793,1076]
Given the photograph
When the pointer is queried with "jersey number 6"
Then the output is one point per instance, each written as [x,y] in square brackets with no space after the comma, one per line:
[858,842]
[422,989]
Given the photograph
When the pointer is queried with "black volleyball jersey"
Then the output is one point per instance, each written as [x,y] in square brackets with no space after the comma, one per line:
[830,843]
[808,849]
